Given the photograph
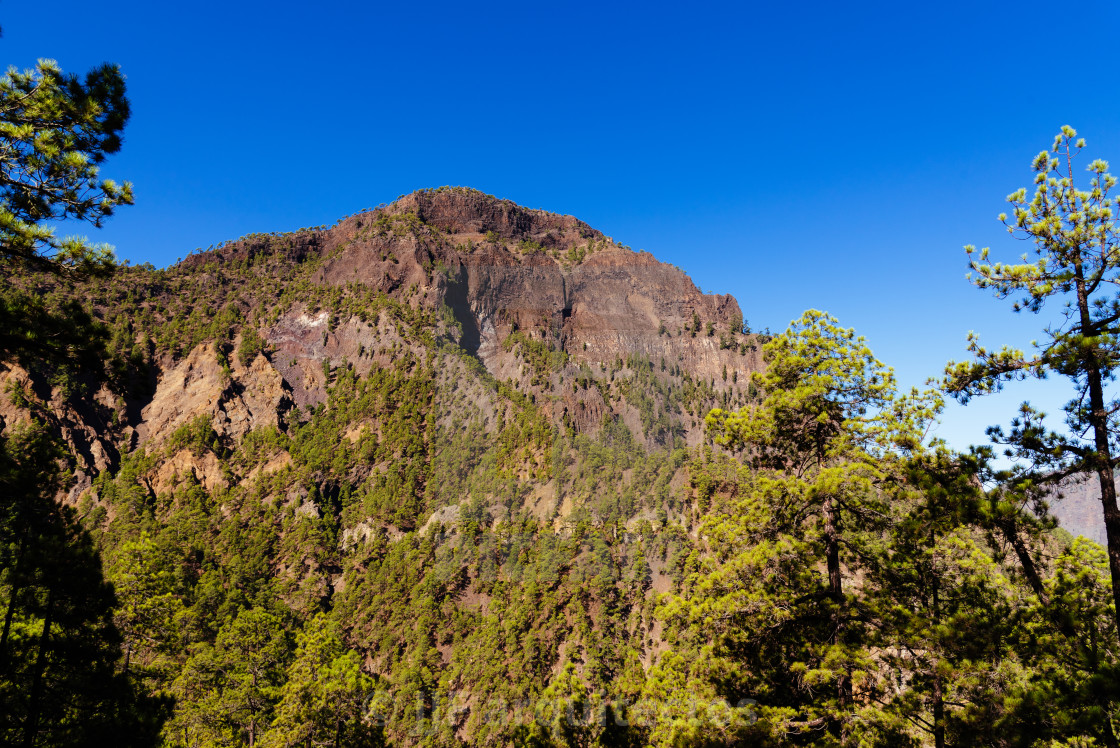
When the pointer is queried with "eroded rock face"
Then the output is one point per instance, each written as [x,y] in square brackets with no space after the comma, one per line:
[1076,503]
[504,268]
[620,300]
[500,269]
[465,211]
[235,401]
[12,376]
[82,425]
[258,397]
[204,469]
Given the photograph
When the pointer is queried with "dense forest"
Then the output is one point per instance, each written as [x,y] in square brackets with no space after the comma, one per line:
[354,485]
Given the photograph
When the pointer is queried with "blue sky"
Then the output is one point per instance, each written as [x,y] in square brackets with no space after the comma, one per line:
[828,155]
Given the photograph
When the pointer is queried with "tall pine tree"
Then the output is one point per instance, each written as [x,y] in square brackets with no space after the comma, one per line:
[1076,265]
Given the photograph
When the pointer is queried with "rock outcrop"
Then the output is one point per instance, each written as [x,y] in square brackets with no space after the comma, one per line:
[500,267]
[1076,503]
[235,400]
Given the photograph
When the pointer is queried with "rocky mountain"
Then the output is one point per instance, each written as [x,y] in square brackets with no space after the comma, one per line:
[538,299]
[1076,504]
[500,269]
[450,408]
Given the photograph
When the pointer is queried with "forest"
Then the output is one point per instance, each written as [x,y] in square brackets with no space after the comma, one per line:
[551,550]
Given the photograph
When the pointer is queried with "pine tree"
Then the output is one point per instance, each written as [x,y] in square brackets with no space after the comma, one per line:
[59,682]
[229,690]
[149,608]
[825,438]
[946,611]
[55,131]
[1077,264]
[323,700]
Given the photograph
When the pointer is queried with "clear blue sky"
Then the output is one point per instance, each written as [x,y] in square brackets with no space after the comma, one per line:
[828,155]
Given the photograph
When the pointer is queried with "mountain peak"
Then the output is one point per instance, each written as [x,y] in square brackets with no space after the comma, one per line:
[466,211]
[507,284]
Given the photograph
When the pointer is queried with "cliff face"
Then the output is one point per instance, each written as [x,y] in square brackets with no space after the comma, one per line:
[1076,503]
[245,397]
[604,301]
[501,268]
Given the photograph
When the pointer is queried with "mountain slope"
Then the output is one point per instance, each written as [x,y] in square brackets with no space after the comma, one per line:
[453,428]
[540,300]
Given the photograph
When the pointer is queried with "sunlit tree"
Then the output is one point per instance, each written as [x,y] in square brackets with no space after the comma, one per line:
[1075,265]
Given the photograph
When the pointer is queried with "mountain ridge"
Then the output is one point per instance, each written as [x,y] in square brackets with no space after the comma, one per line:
[537,298]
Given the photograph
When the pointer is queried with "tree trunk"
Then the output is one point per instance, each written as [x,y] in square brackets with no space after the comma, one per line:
[938,695]
[832,552]
[1102,457]
[1109,734]
[1030,570]
[835,580]
[9,614]
[31,724]
[1107,478]
[938,712]
[835,588]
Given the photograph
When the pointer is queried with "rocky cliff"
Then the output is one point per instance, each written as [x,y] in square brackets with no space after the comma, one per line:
[499,269]
[1076,504]
[502,268]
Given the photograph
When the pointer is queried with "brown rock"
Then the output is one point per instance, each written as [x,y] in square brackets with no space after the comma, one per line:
[205,469]
[236,402]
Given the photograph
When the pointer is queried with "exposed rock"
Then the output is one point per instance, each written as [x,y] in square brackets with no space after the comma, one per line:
[1077,506]
[613,303]
[562,287]
[194,386]
[309,509]
[274,465]
[12,376]
[83,426]
[236,401]
[205,469]
[448,516]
